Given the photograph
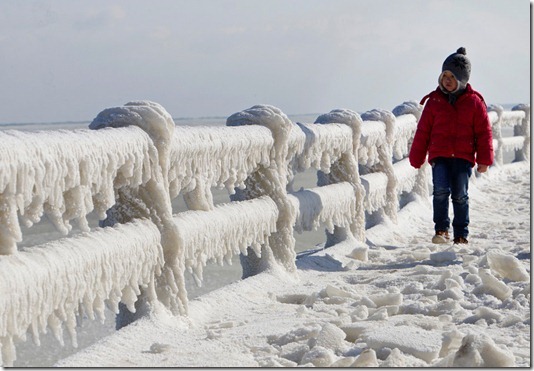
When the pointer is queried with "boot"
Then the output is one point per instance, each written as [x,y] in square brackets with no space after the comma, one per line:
[441,237]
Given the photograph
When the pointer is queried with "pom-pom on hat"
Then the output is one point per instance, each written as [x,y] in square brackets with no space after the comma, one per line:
[459,65]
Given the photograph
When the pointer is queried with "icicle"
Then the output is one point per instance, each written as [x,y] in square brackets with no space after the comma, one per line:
[54,323]
[192,163]
[71,328]
[85,270]
[35,333]
[225,231]
[64,175]
[7,351]
[129,298]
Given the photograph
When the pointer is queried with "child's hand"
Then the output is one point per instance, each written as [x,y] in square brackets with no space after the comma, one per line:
[482,168]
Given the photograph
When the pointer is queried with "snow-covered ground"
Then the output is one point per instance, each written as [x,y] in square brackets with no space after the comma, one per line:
[411,304]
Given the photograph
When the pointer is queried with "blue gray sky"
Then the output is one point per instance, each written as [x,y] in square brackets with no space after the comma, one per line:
[64,60]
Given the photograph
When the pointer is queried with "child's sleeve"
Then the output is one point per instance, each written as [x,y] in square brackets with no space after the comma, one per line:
[421,139]
[483,136]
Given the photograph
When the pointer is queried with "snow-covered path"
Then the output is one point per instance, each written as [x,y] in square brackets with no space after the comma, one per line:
[411,304]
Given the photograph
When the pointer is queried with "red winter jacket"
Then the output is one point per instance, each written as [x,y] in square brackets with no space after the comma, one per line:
[462,130]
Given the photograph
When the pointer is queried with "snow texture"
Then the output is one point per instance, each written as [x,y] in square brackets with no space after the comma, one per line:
[131,168]
[397,309]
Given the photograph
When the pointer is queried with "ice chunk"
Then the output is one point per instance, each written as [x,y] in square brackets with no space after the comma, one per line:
[343,362]
[356,329]
[507,266]
[495,356]
[360,253]
[468,354]
[411,340]
[387,299]
[452,340]
[491,285]
[394,359]
[367,358]
[378,314]
[331,337]
[488,314]
[443,256]
[481,351]
[319,357]
[294,351]
[303,333]
[332,291]
[360,313]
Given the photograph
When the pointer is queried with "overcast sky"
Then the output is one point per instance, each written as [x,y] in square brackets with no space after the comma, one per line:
[63,60]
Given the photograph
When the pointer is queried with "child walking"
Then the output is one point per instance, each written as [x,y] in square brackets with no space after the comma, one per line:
[455,132]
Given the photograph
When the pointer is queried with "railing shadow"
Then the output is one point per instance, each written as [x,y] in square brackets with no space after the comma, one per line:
[306,260]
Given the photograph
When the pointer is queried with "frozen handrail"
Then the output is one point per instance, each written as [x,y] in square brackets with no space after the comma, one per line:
[65,175]
[519,120]
[55,283]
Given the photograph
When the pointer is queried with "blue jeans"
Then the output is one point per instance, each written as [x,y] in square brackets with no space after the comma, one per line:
[450,177]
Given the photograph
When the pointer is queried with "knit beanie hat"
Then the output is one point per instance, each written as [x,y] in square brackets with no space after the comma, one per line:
[460,67]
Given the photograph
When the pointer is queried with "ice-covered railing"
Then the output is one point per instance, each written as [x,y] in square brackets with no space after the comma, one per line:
[519,120]
[135,161]
[48,287]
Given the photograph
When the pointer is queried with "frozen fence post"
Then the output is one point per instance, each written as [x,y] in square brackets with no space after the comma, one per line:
[385,154]
[271,181]
[421,180]
[10,232]
[346,170]
[523,130]
[154,193]
[496,129]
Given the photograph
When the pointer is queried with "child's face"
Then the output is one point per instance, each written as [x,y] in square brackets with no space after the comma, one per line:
[449,81]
